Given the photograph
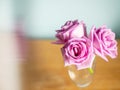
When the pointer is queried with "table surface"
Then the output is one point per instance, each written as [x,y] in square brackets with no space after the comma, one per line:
[44,70]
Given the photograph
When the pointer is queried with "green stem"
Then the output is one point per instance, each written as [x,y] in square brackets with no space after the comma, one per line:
[91,70]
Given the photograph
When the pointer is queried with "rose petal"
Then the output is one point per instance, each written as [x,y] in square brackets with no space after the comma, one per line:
[87,64]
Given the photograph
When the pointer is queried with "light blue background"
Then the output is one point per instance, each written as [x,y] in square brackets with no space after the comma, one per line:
[43,17]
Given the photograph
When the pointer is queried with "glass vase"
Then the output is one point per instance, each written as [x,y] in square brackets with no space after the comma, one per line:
[82,78]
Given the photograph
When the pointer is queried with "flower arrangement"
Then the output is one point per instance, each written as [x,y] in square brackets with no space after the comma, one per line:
[79,49]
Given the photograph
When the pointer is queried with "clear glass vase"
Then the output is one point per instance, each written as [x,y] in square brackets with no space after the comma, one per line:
[82,78]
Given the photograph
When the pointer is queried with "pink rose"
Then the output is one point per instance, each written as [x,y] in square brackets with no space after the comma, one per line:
[79,52]
[69,30]
[104,42]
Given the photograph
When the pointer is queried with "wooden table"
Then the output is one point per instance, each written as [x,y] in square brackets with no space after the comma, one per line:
[44,70]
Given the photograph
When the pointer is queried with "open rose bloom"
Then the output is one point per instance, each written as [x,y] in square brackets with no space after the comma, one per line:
[80,49]
[70,29]
[79,52]
[104,42]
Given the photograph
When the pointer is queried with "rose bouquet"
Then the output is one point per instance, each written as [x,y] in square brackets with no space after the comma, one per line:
[80,49]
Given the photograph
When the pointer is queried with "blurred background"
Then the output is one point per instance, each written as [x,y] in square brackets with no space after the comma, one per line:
[42,17]
[21,20]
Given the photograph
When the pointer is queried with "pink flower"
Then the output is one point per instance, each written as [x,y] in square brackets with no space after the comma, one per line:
[104,42]
[69,30]
[79,52]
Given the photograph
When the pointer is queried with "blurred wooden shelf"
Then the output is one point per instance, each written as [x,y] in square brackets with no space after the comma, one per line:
[44,70]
